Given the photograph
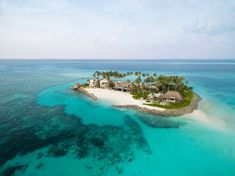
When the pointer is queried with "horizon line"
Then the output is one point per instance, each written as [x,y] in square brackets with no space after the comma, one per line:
[117,59]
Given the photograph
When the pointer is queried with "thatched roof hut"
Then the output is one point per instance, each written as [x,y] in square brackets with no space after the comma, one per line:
[123,86]
[173,94]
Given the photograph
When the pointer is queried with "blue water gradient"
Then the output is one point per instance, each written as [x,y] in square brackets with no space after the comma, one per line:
[47,129]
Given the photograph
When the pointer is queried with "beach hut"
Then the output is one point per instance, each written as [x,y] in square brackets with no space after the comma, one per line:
[172,97]
[122,86]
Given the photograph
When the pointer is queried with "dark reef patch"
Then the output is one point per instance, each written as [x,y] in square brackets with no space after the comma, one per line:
[39,166]
[56,151]
[160,122]
[40,155]
[11,170]
[97,142]
[35,127]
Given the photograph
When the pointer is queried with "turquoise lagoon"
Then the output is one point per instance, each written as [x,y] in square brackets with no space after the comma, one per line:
[47,129]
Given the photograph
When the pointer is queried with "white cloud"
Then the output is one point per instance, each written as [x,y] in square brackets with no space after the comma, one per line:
[114,29]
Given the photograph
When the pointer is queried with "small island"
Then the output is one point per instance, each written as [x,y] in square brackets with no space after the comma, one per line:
[165,95]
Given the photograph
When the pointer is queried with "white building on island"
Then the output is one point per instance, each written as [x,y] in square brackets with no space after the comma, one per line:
[104,84]
[152,97]
[93,83]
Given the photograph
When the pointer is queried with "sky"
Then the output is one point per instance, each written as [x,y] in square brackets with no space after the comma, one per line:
[117,29]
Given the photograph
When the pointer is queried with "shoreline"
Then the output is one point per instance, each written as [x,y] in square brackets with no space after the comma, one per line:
[167,112]
[124,100]
[85,92]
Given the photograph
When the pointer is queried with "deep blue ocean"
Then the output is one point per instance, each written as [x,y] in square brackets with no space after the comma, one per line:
[46,129]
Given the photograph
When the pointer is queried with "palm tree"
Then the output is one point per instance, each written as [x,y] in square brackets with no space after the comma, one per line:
[178,81]
[149,79]
[106,75]
[95,74]
[138,81]
[163,83]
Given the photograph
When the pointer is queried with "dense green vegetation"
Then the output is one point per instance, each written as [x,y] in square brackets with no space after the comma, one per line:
[145,83]
[162,84]
[85,85]
[154,84]
[109,74]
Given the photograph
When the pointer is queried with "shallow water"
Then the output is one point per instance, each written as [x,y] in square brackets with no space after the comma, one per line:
[47,129]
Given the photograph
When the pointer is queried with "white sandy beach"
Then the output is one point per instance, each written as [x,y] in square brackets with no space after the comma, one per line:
[208,120]
[119,98]
[123,98]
